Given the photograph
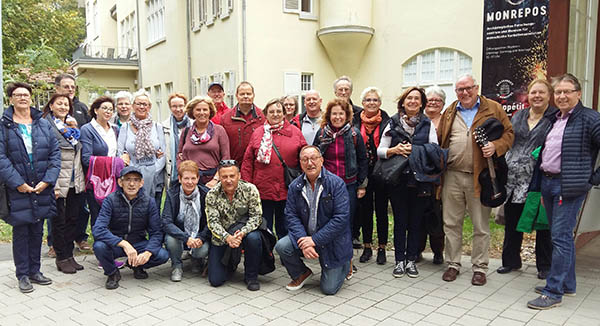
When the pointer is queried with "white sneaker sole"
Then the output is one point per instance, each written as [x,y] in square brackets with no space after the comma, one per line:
[298,287]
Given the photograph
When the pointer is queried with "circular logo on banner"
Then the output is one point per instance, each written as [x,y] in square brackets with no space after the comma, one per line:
[504,89]
[515,2]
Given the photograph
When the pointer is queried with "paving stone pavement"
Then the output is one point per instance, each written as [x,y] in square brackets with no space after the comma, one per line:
[371,297]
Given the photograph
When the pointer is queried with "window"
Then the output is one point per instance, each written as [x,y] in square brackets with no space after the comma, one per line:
[169,88]
[302,7]
[216,8]
[197,13]
[128,46]
[203,85]
[306,82]
[226,9]
[583,19]
[436,67]
[155,20]
[95,18]
[158,100]
[229,84]
[297,84]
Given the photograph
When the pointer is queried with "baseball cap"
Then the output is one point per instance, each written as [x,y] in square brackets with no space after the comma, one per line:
[131,169]
[215,84]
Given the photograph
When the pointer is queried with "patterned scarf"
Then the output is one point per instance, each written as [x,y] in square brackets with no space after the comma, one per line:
[70,134]
[189,211]
[370,124]
[205,137]
[329,134]
[143,143]
[266,143]
[409,124]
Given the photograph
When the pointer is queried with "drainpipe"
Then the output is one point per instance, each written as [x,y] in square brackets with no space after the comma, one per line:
[189,50]
[139,41]
[244,55]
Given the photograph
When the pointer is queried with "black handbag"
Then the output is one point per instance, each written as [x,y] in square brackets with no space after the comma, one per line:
[388,171]
[289,174]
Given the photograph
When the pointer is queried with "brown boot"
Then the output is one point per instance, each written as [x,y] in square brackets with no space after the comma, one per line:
[65,266]
[77,266]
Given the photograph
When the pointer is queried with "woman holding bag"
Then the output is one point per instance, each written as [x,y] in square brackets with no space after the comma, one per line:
[263,166]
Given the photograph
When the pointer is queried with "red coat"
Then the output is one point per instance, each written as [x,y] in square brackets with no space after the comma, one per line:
[268,178]
[221,109]
[239,130]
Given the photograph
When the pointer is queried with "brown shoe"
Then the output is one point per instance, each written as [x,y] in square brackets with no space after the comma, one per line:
[478,279]
[298,283]
[51,252]
[75,264]
[65,266]
[450,274]
[84,245]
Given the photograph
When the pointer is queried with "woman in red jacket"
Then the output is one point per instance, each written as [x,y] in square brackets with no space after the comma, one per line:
[262,167]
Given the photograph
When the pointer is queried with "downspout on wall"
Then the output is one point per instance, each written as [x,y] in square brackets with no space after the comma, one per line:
[140,84]
[244,54]
[188,44]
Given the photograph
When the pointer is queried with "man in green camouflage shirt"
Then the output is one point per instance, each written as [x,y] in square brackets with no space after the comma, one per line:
[234,213]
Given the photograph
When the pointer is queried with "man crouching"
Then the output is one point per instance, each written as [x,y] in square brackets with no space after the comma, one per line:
[125,218]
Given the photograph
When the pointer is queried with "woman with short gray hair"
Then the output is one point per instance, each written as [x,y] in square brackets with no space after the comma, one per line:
[123,112]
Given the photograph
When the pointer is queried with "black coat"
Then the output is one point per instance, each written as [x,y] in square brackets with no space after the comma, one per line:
[174,227]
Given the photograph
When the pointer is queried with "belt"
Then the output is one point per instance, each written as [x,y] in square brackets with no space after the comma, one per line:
[551,175]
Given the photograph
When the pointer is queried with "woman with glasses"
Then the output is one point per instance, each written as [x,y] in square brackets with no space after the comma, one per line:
[123,113]
[371,121]
[29,167]
[205,142]
[290,107]
[142,143]
[263,167]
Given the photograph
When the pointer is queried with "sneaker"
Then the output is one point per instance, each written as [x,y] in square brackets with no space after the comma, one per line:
[253,285]
[366,255]
[51,252]
[540,290]
[139,273]
[176,274]
[350,274]
[112,282]
[39,278]
[298,283]
[543,302]
[356,243]
[25,285]
[381,256]
[399,269]
[411,269]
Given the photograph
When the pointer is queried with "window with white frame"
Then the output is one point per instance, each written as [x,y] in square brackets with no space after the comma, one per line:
[197,13]
[436,67]
[216,8]
[226,8]
[169,88]
[155,20]
[128,36]
[297,84]
[306,82]
[95,18]
[305,8]
[158,100]
[203,85]
[229,84]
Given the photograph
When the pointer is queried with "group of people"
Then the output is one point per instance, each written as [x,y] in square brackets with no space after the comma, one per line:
[233,175]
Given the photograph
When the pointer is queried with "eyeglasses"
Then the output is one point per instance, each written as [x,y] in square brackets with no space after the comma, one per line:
[565,91]
[21,95]
[312,158]
[68,87]
[142,104]
[226,163]
[106,108]
[435,100]
[369,100]
[467,89]
[289,105]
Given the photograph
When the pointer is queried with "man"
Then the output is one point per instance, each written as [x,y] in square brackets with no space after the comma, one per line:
[65,84]
[184,221]
[309,121]
[173,126]
[125,218]
[217,93]
[233,213]
[318,224]
[466,160]
[241,121]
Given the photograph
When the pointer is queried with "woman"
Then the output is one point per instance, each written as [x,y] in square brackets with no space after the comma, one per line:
[263,167]
[142,143]
[371,121]
[530,126]
[70,184]
[343,151]
[123,99]
[29,167]
[290,105]
[566,166]
[409,132]
[205,143]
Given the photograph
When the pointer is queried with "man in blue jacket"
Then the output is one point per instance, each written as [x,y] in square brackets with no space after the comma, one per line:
[319,225]
[125,218]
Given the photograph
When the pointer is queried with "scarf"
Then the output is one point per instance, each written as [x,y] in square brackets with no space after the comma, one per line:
[196,138]
[175,127]
[70,134]
[266,143]
[189,211]
[329,135]
[409,124]
[143,144]
[370,126]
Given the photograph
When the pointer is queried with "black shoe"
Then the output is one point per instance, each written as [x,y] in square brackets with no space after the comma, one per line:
[354,268]
[253,285]
[381,256]
[438,259]
[112,282]
[419,258]
[504,270]
[411,269]
[542,275]
[399,269]
[139,273]
[366,255]
[25,285]
[39,278]
[356,243]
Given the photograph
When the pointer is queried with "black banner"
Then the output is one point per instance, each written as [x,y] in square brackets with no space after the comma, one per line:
[515,49]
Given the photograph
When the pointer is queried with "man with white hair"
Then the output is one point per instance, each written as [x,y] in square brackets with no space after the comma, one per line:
[310,120]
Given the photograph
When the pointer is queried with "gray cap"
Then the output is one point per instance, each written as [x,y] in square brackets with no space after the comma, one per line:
[215,84]
[131,169]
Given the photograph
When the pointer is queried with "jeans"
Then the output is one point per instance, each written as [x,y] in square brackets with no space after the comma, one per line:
[562,216]
[176,246]
[218,273]
[270,207]
[27,248]
[365,214]
[354,223]
[408,211]
[106,255]
[64,224]
[332,279]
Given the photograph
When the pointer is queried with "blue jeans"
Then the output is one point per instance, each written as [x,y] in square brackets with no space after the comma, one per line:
[218,273]
[176,246]
[106,255]
[332,279]
[270,208]
[27,248]
[562,216]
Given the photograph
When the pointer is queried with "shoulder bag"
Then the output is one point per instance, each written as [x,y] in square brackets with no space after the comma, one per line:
[289,174]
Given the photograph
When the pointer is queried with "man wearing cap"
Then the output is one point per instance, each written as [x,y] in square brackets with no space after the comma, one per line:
[128,225]
[217,93]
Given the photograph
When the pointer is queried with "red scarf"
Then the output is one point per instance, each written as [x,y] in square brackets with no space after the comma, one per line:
[370,126]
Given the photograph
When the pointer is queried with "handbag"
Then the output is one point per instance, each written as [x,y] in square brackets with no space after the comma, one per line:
[388,171]
[289,174]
